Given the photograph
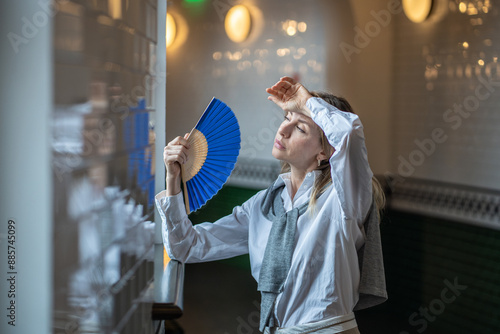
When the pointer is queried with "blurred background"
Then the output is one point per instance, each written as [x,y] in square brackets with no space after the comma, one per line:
[92,91]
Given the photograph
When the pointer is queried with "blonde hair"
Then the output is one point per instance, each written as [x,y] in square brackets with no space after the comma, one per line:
[324,179]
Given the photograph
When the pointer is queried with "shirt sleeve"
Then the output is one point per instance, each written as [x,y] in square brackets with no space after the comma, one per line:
[225,238]
[351,173]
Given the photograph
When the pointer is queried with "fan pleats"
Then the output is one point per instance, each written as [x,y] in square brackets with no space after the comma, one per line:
[221,133]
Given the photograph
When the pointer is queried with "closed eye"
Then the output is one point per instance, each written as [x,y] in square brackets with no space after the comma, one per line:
[287,118]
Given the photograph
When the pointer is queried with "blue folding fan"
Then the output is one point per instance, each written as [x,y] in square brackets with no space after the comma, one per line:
[215,145]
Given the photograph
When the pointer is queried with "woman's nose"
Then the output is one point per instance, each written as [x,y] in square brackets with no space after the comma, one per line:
[284,130]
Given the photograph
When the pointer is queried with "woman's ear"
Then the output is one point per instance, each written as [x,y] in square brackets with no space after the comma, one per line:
[325,155]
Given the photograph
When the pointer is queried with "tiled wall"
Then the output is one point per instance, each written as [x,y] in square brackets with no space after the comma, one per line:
[446,157]
[103,145]
[442,277]
[445,106]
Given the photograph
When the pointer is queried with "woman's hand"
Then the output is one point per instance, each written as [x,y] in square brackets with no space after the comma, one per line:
[175,154]
[290,95]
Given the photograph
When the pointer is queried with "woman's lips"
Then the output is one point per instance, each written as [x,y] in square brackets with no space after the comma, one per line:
[279,145]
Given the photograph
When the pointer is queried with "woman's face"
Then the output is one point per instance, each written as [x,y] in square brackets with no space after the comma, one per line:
[298,142]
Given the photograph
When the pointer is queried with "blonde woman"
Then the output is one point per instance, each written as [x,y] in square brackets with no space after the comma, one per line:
[306,234]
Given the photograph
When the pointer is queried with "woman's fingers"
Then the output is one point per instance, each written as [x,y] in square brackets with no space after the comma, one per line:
[176,151]
[288,79]
[275,100]
[290,95]
[180,141]
[284,89]
[284,85]
[275,93]
[280,88]
[175,154]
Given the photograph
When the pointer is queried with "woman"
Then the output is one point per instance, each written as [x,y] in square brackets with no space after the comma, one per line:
[303,234]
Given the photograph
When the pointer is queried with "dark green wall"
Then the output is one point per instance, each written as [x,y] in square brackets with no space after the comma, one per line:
[422,254]
[221,205]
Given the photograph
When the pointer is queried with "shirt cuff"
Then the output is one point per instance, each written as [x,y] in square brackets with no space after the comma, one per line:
[335,123]
[171,207]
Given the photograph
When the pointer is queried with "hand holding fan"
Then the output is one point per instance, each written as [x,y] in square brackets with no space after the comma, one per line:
[214,148]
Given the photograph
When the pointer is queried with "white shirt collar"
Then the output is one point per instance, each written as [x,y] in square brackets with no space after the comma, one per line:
[303,193]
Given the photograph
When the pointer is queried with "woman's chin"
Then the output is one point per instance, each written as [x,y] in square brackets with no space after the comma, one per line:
[280,158]
[277,154]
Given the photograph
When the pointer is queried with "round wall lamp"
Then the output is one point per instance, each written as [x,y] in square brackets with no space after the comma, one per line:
[171,30]
[417,10]
[238,23]
[176,30]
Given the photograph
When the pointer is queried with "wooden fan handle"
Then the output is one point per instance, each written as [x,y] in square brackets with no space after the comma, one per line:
[184,176]
[186,196]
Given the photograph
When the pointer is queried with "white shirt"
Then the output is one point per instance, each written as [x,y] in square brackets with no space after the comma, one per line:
[324,275]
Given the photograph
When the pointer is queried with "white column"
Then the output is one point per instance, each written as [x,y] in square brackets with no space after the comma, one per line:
[25,165]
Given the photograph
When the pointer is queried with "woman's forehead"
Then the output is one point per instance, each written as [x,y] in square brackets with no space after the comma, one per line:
[302,118]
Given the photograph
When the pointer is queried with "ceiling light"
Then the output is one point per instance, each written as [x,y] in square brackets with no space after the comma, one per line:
[238,23]
[417,10]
